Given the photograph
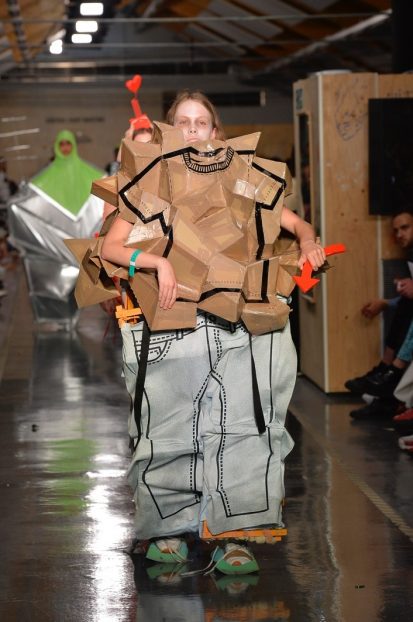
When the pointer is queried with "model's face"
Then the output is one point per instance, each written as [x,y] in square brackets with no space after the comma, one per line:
[403,230]
[65,147]
[194,120]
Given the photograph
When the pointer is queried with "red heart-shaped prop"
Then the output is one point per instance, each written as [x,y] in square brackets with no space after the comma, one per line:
[134,84]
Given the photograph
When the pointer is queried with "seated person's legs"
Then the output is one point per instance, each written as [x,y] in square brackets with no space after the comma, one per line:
[397,334]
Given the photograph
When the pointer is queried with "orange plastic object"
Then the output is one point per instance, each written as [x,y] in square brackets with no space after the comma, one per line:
[134,84]
[305,281]
[140,120]
[132,316]
[277,534]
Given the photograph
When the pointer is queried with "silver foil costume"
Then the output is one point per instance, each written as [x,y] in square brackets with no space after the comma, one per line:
[38,228]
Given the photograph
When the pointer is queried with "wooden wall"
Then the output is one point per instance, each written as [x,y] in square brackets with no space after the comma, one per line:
[312,355]
[337,342]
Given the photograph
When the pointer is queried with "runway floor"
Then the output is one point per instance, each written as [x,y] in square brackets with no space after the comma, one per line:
[67,513]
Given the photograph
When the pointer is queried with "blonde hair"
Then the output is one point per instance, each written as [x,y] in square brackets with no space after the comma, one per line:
[202,99]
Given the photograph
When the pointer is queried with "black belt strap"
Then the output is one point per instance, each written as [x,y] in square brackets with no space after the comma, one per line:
[140,380]
[259,415]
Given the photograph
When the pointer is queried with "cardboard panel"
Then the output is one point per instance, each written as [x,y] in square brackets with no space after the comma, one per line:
[182,314]
[227,305]
[260,318]
[106,189]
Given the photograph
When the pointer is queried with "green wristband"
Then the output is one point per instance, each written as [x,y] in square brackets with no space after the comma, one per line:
[132,261]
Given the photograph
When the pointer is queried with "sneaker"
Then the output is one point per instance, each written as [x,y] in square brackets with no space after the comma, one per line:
[358,385]
[235,559]
[168,551]
[368,398]
[406,442]
[403,424]
[377,408]
[407,415]
[383,384]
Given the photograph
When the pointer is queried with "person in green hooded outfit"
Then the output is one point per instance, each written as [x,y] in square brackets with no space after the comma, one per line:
[54,206]
[68,179]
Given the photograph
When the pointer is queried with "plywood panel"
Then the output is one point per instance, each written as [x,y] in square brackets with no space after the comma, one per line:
[395,85]
[310,310]
[353,341]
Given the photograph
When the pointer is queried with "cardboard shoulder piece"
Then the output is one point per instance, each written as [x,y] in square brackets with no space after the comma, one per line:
[213,210]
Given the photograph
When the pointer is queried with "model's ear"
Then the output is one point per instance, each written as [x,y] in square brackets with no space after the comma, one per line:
[214,133]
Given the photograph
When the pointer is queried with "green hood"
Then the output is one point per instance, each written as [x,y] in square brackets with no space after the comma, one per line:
[67,179]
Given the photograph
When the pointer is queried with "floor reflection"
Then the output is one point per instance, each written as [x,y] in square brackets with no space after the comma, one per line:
[67,514]
[164,595]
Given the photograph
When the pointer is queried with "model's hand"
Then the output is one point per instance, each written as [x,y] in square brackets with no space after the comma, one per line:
[167,283]
[312,252]
[405,288]
[373,308]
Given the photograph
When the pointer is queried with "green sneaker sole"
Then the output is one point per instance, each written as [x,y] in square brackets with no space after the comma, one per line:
[156,555]
[226,568]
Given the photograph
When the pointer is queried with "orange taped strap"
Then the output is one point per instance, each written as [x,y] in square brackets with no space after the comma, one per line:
[242,533]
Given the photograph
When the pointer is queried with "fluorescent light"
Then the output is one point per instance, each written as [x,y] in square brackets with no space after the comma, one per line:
[91,8]
[77,38]
[12,119]
[56,46]
[17,148]
[86,25]
[35,130]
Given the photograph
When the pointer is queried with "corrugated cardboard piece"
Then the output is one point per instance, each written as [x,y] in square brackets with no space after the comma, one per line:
[213,210]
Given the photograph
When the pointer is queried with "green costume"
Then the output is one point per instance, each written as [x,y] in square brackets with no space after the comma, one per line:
[68,179]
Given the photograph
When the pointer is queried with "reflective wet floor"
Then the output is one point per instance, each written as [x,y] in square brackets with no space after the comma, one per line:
[67,515]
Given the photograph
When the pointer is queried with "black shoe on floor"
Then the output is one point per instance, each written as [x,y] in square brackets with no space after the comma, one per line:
[384,383]
[404,428]
[358,385]
[377,409]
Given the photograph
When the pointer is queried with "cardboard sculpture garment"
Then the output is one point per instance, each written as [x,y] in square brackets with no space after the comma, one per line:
[213,209]
[218,369]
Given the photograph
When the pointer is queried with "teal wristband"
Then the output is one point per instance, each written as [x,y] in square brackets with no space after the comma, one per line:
[132,260]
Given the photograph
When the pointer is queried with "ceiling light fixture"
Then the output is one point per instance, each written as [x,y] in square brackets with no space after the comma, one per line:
[86,25]
[91,8]
[81,38]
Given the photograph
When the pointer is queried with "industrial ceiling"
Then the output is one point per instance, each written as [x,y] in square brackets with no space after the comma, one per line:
[255,42]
